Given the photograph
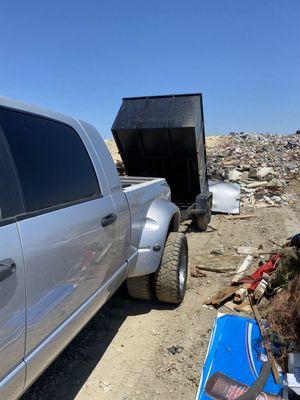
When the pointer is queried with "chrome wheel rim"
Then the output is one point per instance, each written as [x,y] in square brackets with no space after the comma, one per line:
[182,271]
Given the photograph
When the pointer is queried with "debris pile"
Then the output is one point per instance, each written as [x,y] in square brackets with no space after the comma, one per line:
[283,315]
[263,164]
[273,290]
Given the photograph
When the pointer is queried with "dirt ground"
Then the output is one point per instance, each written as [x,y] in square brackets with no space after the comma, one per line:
[122,354]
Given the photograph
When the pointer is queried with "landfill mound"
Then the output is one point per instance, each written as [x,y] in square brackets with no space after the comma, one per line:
[263,164]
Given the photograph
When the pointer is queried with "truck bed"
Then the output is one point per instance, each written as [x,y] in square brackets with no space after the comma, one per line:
[129,181]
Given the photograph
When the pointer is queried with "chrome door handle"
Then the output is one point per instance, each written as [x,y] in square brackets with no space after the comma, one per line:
[109,219]
[7,268]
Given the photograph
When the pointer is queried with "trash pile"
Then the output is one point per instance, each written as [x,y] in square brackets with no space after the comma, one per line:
[271,293]
[263,164]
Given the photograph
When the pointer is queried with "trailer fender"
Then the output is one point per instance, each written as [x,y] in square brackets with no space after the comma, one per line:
[162,217]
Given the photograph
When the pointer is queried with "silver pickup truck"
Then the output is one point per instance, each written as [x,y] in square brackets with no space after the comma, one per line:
[71,232]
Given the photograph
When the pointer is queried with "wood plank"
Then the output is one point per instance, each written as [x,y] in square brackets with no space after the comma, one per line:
[221,296]
[266,342]
[241,216]
[241,269]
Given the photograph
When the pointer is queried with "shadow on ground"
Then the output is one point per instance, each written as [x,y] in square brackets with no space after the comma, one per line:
[68,373]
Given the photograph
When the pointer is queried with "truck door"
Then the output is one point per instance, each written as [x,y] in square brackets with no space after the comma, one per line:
[12,288]
[69,230]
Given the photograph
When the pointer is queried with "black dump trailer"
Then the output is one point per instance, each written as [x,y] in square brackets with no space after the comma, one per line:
[163,136]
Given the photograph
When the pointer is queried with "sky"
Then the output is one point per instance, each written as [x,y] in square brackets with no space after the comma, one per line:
[82,57]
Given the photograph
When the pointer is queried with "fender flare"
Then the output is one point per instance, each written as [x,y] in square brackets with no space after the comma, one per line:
[162,217]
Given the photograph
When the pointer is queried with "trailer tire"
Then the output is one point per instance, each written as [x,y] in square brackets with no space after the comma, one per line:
[139,287]
[171,277]
[202,221]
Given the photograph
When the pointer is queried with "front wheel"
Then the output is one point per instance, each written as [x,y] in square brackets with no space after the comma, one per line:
[171,277]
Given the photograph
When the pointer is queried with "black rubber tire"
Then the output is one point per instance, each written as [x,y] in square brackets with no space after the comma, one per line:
[139,287]
[169,283]
[202,222]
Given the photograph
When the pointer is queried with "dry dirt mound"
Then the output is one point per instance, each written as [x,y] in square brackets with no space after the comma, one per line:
[112,147]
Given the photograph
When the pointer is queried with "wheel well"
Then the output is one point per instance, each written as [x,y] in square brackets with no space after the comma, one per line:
[174,223]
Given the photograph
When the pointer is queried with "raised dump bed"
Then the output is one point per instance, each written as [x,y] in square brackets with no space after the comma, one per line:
[163,136]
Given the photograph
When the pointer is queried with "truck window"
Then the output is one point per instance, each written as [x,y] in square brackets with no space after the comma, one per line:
[52,162]
[3,191]
[3,204]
